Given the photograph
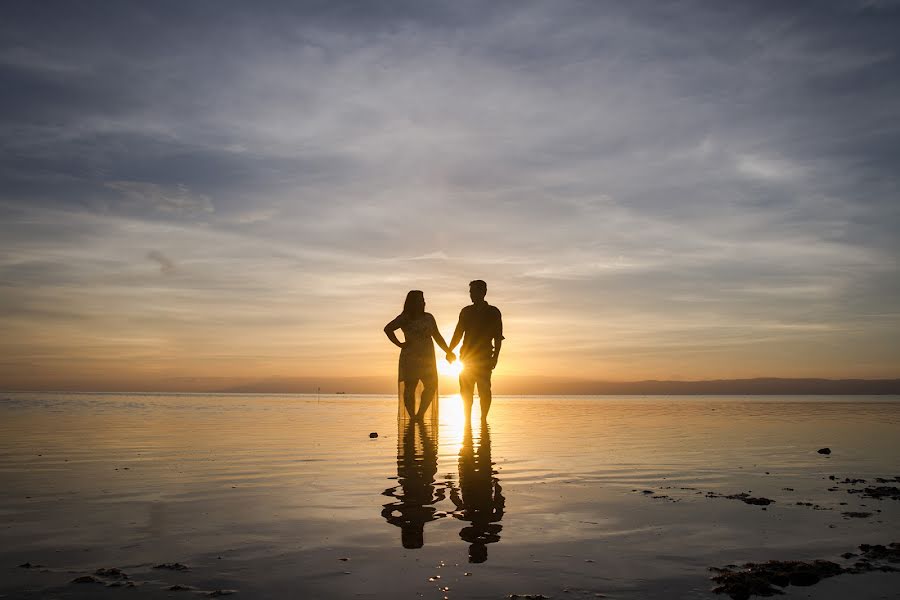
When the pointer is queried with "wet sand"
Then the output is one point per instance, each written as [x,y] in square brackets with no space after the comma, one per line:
[566,497]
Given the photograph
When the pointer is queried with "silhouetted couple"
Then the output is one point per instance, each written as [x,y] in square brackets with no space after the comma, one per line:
[480,328]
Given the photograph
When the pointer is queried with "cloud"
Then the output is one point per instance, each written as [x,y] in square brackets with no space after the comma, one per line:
[767,168]
[625,176]
[176,200]
[166,266]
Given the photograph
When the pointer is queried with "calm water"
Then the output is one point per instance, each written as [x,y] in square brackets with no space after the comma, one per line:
[266,494]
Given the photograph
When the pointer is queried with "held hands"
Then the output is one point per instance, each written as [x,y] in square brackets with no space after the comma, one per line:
[451,357]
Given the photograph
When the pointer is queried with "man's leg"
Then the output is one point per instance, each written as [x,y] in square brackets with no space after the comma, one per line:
[484,392]
[467,391]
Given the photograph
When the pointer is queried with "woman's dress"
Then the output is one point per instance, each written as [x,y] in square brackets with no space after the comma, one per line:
[418,370]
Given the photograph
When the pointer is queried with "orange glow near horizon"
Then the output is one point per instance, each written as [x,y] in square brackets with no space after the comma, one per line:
[117,349]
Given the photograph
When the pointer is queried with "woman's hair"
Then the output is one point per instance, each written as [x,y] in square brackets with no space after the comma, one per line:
[414,304]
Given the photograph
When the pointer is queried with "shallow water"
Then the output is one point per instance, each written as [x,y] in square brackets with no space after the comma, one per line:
[266,494]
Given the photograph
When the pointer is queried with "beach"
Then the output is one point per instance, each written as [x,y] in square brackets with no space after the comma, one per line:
[166,495]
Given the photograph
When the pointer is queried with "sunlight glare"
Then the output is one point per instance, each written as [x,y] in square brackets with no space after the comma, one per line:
[451,369]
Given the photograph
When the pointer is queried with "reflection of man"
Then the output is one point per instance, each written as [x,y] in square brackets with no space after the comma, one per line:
[479,498]
[483,329]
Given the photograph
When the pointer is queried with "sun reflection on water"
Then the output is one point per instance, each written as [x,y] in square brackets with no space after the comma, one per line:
[453,421]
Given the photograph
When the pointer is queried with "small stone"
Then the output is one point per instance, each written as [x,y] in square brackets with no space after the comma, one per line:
[373,435]
[824,450]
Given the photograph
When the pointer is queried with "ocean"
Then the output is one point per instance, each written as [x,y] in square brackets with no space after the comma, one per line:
[266,496]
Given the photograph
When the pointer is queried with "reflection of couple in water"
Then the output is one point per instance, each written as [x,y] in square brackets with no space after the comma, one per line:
[478,499]
[481,329]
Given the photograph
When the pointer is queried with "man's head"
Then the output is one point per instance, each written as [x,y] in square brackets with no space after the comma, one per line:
[477,290]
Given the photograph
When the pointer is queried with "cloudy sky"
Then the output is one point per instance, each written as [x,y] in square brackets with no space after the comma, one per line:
[203,195]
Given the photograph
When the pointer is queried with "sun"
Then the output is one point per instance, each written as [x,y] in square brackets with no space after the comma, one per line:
[452,369]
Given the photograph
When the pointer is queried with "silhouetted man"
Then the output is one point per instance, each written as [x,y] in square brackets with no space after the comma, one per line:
[483,329]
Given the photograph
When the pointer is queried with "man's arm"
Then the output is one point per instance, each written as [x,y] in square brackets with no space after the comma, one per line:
[498,340]
[458,332]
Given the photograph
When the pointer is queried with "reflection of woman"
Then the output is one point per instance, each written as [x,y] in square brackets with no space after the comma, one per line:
[417,493]
[417,364]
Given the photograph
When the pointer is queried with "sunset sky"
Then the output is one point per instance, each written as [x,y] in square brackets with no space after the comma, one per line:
[223,195]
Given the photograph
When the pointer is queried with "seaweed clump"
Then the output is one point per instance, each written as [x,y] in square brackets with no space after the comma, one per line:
[761,579]
[874,556]
[743,497]
[767,579]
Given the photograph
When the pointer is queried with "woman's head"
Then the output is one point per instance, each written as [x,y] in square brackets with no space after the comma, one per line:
[414,304]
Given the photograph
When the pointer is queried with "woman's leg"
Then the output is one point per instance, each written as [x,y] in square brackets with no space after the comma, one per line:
[429,391]
[409,396]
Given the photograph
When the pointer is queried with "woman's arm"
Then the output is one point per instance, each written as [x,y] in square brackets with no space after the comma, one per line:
[437,336]
[389,330]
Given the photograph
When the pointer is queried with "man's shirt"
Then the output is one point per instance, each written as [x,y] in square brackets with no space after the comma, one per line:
[481,324]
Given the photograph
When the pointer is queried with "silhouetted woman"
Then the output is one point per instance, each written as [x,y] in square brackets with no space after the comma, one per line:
[417,363]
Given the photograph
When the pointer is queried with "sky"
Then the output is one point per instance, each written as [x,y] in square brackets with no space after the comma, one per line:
[217,195]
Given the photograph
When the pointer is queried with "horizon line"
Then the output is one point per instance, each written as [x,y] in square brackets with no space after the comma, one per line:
[756,386]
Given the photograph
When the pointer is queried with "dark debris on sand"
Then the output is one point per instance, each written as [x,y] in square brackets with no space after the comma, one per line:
[761,579]
[528,597]
[767,579]
[877,552]
[172,566]
[112,573]
[743,497]
[110,577]
[878,492]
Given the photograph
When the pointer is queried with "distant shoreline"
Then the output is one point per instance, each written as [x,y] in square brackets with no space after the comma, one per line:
[538,386]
